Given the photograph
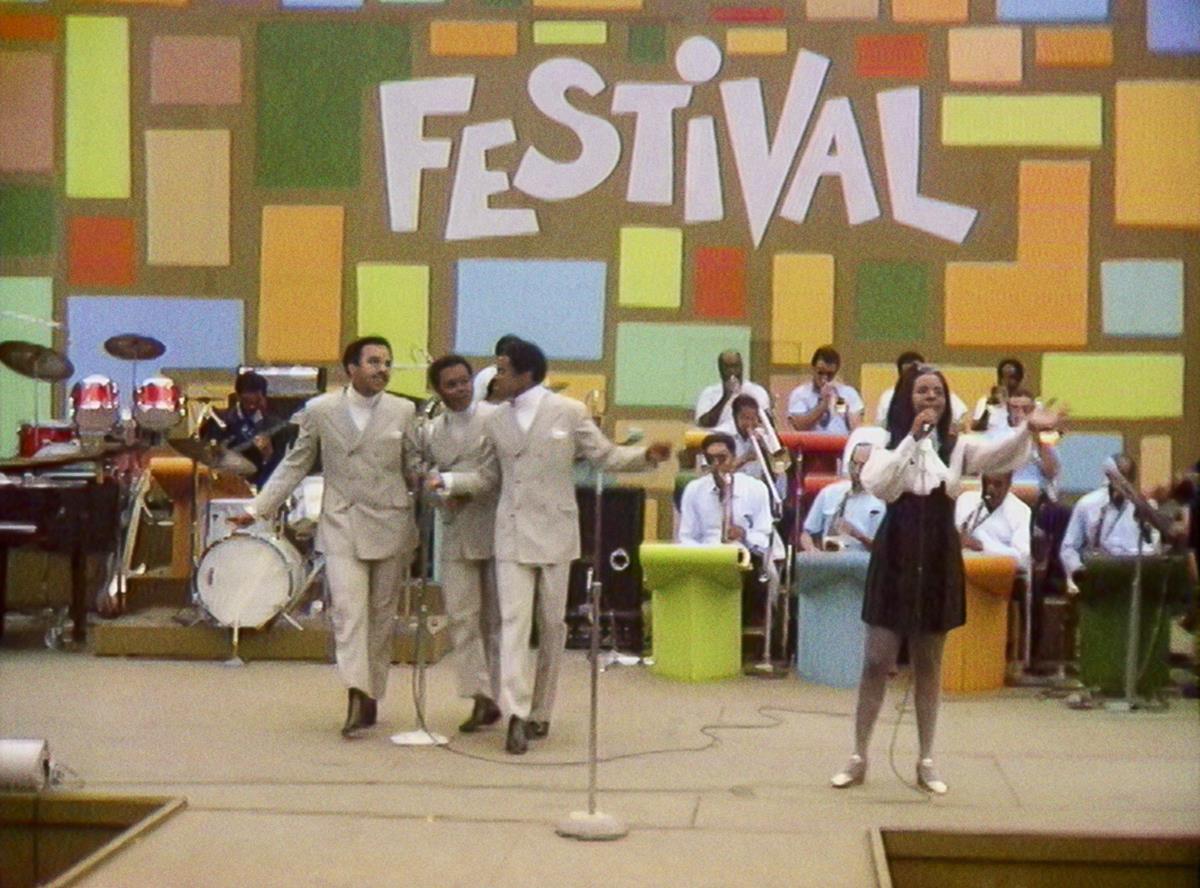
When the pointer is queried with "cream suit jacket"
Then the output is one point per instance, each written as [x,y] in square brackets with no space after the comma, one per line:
[468,522]
[367,511]
[537,520]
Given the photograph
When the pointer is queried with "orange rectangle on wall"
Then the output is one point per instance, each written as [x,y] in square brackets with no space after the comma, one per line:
[472,39]
[300,291]
[720,282]
[900,56]
[1073,47]
[34,28]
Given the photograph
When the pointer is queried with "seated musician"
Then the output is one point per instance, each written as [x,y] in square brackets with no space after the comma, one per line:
[822,404]
[250,427]
[907,361]
[714,407]
[1104,522]
[991,410]
[724,506]
[994,521]
[844,514]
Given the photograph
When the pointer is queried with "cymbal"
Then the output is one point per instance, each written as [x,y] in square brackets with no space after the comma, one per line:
[35,361]
[214,456]
[134,347]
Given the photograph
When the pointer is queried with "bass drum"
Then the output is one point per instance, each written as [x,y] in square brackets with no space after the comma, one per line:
[248,579]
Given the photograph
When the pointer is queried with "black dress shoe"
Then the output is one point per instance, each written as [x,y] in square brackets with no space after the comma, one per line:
[370,711]
[516,743]
[485,713]
[535,730]
[356,714]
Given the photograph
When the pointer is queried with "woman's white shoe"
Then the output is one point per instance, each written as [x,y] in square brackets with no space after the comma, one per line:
[928,779]
[853,774]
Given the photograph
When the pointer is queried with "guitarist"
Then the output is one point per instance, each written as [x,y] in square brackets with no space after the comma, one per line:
[250,427]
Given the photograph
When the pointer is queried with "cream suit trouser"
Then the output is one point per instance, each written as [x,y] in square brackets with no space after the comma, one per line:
[528,678]
[474,611]
[363,595]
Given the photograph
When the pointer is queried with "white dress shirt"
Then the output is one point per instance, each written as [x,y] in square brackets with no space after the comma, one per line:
[862,510]
[712,394]
[915,466]
[957,407]
[1004,531]
[997,414]
[361,406]
[525,405]
[1097,527]
[700,512]
[804,398]
[479,384]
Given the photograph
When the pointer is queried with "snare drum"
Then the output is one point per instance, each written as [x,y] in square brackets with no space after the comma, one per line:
[32,438]
[248,579]
[158,404]
[95,404]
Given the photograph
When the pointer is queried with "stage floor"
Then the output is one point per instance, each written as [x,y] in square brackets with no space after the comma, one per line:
[276,797]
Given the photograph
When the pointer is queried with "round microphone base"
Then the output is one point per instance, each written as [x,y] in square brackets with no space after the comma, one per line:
[597,827]
[419,738]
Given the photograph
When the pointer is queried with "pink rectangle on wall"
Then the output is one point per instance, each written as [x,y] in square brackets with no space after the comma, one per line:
[195,71]
[26,112]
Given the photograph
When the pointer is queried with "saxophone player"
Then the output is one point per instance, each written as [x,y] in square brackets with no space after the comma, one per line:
[844,514]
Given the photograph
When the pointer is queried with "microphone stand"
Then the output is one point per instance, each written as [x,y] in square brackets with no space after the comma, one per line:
[1146,516]
[422,736]
[594,825]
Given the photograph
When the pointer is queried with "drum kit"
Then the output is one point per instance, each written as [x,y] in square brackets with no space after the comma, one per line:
[242,580]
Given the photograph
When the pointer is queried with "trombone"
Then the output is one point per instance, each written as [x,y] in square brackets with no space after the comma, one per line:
[774,460]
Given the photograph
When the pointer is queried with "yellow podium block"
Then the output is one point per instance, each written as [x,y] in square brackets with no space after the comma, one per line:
[974,657]
[696,602]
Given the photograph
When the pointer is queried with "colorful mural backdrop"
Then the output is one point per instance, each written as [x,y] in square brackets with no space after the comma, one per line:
[636,184]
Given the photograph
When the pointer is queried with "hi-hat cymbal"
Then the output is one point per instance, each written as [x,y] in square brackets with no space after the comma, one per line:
[35,361]
[134,347]
[214,456]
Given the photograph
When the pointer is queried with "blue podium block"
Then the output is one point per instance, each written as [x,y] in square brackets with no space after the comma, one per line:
[830,634]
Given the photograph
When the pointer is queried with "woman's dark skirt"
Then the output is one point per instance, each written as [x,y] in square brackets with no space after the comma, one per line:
[915,578]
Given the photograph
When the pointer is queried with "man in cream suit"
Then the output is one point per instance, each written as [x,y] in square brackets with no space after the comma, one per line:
[451,443]
[366,441]
[530,445]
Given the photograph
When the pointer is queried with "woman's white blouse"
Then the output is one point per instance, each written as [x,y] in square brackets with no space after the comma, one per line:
[915,467]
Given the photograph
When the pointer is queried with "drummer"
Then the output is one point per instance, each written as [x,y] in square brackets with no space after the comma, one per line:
[250,427]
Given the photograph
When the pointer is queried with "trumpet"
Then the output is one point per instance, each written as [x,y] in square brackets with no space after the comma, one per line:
[725,482]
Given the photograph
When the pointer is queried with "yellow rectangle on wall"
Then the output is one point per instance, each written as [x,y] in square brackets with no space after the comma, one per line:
[1044,121]
[590,5]
[802,287]
[1150,385]
[300,290]
[1154,468]
[587,388]
[651,273]
[393,302]
[1073,47]
[1157,179]
[97,107]
[756,41]
[570,33]
[187,197]
[472,39]
[929,10]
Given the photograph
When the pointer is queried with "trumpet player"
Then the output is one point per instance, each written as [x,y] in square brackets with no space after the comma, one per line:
[844,515]
[822,404]
[724,506]
[993,521]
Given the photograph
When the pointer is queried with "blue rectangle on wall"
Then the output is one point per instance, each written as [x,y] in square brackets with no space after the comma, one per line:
[557,303]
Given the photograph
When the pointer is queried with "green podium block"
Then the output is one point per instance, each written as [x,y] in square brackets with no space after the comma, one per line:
[1104,596]
[696,602]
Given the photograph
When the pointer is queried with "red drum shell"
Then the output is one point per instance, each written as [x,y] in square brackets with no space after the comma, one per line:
[95,404]
[32,438]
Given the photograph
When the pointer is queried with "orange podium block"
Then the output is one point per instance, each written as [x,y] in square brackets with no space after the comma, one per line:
[974,658]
